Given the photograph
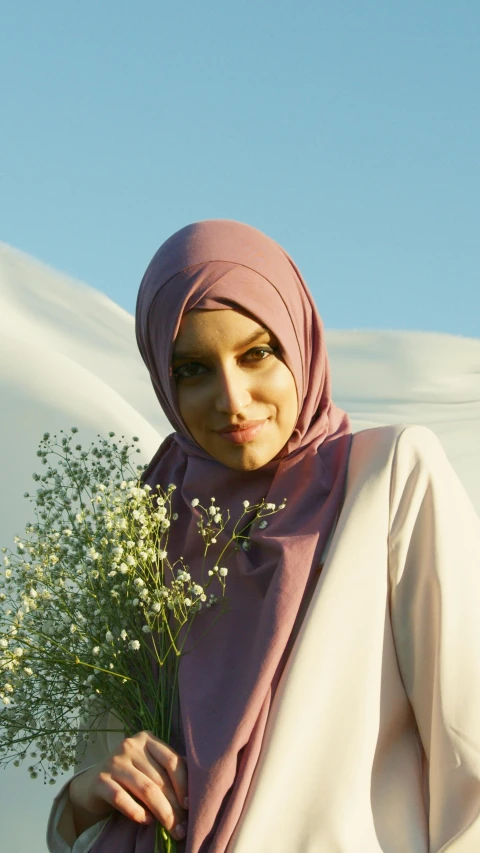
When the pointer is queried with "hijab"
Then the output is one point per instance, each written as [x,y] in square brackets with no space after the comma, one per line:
[228,678]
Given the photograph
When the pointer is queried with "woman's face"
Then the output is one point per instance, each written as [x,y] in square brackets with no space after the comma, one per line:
[229,372]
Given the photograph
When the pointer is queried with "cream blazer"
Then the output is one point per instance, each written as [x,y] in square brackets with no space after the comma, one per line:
[373,739]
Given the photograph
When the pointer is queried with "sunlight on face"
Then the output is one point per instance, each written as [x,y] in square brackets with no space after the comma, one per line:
[229,371]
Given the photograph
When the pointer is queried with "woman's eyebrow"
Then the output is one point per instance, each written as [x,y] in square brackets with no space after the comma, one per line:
[181,354]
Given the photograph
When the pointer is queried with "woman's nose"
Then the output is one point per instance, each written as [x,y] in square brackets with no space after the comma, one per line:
[232,394]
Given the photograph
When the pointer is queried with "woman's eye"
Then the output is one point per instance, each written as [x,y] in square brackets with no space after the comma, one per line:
[259,350]
[184,371]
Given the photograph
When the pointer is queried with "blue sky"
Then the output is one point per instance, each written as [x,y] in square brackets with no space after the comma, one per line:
[348,131]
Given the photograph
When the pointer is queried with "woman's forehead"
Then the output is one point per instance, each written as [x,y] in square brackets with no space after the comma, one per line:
[226,324]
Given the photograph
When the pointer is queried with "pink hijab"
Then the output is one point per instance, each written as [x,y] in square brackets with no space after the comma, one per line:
[228,680]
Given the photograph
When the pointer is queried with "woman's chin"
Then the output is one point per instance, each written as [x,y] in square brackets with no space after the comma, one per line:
[242,457]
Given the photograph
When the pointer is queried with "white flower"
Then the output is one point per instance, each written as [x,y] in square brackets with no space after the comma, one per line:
[188,602]
[195,502]
[6,561]
[118,551]
[246,504]
[28,670]
[210,573]
[130,561]
[263,524]
[134,644]
[123,568]
[146,629]
[214,541]
[282,506]
[96,650]
[139,582]
[4,643]
[18,652]
[175,516]
[223,572]
[73,628]
[123,634]
[8,573]
[156,607]
[217,518]
[269,506]
[144,593]
[162,555]
[211,510]
[112,573]
[109,636]
[197,589]
[68,532]
[80,517]
[8,688]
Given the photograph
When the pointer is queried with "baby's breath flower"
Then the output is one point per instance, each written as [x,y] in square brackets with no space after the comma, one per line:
[223,572]
[262,524]
[246,504]
[66,617]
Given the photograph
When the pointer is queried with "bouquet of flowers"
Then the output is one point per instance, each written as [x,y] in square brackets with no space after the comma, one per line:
[93,614]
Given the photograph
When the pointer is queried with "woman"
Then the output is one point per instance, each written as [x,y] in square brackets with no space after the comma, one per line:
[336,706]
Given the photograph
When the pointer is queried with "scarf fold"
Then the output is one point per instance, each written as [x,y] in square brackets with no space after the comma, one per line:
[228,678]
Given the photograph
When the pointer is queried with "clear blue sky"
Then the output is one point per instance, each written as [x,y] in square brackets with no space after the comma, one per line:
[348,131]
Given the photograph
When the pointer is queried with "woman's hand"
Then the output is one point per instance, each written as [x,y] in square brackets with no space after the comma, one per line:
[144,779]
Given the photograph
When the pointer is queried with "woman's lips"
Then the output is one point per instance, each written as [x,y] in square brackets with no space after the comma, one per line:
[241,435]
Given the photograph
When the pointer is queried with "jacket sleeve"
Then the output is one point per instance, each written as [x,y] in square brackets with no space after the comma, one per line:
[434,569]
[61,834]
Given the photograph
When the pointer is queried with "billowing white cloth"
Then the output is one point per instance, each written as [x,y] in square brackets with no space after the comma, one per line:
[373,739]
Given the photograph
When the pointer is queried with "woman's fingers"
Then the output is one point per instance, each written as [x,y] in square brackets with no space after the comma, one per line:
[143,777]
[155,797]
[116,796]
[174,765]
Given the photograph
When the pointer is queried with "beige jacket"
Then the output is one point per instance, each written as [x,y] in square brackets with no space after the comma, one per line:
[373,739]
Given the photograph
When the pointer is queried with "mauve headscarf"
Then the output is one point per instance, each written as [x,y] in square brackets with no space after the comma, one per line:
[228,680]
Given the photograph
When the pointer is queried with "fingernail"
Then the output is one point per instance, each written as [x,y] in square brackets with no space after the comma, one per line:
[185,803]
[180,831]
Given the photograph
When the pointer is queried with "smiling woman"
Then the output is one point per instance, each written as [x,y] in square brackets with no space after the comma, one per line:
[237,401]
[336,705]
